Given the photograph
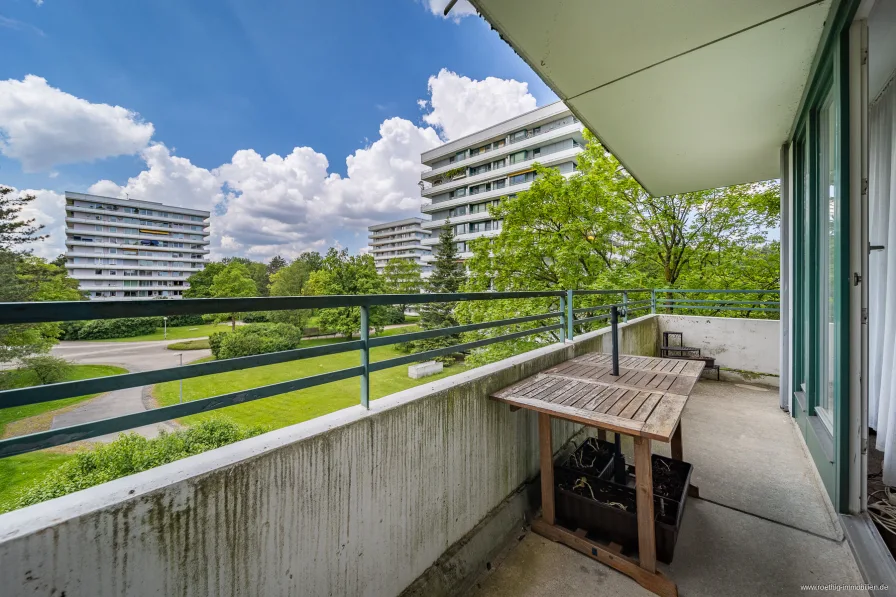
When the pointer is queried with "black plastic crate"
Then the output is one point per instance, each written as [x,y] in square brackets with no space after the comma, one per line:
[592,457]
[612,515]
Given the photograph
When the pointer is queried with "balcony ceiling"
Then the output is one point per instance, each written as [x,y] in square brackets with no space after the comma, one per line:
[689,95]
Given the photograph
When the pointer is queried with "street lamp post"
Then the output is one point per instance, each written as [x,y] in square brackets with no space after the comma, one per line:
[165,322]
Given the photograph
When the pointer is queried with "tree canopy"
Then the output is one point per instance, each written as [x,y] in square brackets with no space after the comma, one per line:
[233,281]
[341,273]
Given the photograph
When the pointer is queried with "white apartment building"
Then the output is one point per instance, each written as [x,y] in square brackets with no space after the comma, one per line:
[129,249]
[469,174]
[402,239]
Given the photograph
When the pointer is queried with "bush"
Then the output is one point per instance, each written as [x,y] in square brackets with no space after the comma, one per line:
[258,338]
[256,317]
[101,329]
[190,345]
[184,320]
[47,368]
[391,315]
[132,453]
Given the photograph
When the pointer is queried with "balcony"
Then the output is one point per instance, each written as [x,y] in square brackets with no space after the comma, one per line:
[550,159]
[119,223]
[296,508]
[494,154]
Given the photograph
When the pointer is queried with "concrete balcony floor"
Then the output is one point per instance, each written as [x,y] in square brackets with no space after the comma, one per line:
[763,525]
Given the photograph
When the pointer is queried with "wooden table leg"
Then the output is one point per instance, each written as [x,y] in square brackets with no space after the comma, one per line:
[547,468]
[677,448]
[644,494]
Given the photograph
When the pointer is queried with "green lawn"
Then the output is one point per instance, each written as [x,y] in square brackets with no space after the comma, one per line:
[176,333]
[19,472]
[22,378]
[287,409]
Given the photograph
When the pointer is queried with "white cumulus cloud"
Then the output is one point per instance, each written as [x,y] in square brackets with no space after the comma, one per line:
[47,210]
[460,105]
[41,126]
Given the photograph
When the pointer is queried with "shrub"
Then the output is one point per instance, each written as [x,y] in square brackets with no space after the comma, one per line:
[256,317]
[132,453]
[391,315]
[184,320]
[101,329]
[259,338]
[190,345]
[47,368]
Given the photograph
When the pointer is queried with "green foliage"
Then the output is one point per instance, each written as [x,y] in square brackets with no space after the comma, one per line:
[290,281]
[257,271]
[102,329]
[259,338]
[47,368]
[276,264]
[14,230]
[184,320]
[201,282]
[24,278]
[448,275]
[132,453]
[231,282]
[343,274]
[402,276]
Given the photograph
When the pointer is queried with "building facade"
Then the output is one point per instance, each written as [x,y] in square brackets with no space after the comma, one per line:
[402,239]
[470,174]
[128,249]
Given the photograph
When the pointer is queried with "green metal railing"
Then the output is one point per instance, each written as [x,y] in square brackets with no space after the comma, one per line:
[560,318]
[698,300]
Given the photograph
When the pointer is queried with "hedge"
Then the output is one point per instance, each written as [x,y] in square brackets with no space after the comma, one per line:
[132,453]
[258,338]
[100,329]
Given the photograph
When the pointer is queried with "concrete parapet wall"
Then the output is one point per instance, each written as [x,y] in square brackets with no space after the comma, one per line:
[746,349]
[352,503]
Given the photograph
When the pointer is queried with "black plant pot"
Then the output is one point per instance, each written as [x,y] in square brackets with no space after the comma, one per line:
[611,514]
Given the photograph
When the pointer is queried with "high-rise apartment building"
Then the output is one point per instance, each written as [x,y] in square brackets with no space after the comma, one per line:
[469,174]
[129,249]
[402,239]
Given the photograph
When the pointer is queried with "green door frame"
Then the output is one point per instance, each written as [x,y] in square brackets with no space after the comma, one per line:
[830,451]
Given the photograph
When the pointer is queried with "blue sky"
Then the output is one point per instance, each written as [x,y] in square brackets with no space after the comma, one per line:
[215,78]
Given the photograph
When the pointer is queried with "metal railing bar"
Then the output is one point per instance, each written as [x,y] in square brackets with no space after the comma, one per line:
[596,318]
[56,437]
[51,311]
[717,291]
[719,302]
[587,292]
[596,308]
[719,308]
[70,389]
[398,338]
[423,356]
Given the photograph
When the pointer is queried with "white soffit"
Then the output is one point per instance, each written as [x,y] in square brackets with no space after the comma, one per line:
[688,95]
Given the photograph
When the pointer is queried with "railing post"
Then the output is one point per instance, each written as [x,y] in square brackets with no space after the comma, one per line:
[365,356]
[614,333]
[562,318]
[570,316]
[653,301]
[624,307]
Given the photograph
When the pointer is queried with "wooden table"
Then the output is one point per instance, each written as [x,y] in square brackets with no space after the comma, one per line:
[644,401]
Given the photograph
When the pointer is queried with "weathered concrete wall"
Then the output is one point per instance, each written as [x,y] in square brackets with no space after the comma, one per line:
[352,503]
[746,349]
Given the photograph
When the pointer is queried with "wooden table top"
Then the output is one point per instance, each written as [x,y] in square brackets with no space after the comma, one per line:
[646,399]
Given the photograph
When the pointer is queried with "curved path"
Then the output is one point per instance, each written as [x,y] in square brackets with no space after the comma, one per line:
[133,356]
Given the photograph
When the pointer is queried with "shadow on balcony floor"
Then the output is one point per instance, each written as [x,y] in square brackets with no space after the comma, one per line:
[762,527]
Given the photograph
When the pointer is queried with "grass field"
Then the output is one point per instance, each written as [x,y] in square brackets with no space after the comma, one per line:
[175,333]
[23,378]
[189,345]
[18,472]
[288,409]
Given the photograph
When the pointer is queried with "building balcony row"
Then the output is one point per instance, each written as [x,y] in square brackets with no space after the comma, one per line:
[551,159]
[531,140]
[71,233]
[130,225]
[386,234]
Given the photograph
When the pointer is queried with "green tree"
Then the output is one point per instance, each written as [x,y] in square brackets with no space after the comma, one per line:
[290,281]
[312,259]
[341,274]
[402,276]
[448,276]
[201,281]
[232,282]
[257,271]
[276,264]
[15,230]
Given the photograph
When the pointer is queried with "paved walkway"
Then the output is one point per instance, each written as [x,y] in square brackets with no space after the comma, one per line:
[762,526]
[133,356]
